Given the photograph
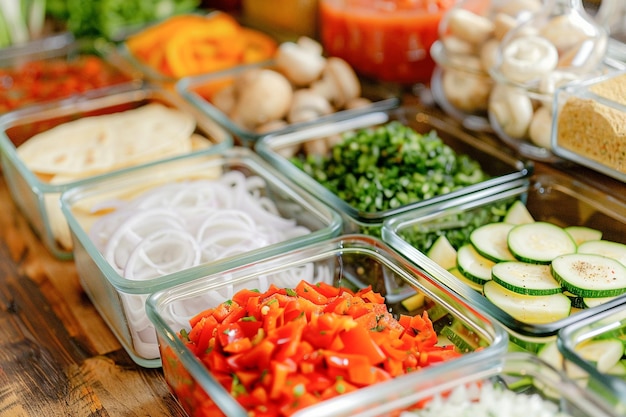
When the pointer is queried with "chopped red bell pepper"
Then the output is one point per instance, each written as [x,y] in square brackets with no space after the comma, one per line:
[285,349]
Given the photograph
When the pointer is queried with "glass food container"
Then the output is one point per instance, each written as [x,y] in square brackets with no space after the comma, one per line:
[384,40]
[149,229]
[58,66]
[502,169]
[522,379]
[353,261]
[36,183]
[593,350]
[552,198]
[347,96]
[588,124]
[191,44]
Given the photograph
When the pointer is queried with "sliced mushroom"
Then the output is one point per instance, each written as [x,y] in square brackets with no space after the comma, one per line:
[339,83]
[540,130]
[512,109]
[307,105]
[301,62]
[528,57]
[465,90]
[469,26]
[263,95]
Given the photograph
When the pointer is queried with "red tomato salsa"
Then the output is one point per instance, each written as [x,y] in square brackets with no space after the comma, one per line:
[285,349]
[49,79]
[384,40]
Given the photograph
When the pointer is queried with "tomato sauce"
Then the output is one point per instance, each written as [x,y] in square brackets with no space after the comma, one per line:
[49,79]
[385,40]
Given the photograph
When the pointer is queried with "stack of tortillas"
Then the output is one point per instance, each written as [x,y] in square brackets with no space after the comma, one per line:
[98,144]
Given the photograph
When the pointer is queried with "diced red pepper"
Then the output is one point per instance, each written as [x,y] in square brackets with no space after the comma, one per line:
[286,349]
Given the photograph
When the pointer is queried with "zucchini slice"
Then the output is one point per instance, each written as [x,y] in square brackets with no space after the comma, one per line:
[490,240]
[472,284]
[618,370]
[582,234]
[591,302]
[590,275]
[606,248]
[518,214]
[539,242]
[603,353]
[443,253]
[551,354]
[473,265]
[525,278]
[534,309]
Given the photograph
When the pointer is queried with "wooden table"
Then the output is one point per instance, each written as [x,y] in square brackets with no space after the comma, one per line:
[58,357]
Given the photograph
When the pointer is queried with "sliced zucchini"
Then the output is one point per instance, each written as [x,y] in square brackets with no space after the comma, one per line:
[539,242]
[414,302]
[472,284]
[443,253]
[603,353]
[534,309]
[606,248]
[473,265]
[619,369]
[518,214]
[577,301]
[582,234]
[490,240]
[591,302]
[551,354]
[525,278]
[589,275]
[463,343]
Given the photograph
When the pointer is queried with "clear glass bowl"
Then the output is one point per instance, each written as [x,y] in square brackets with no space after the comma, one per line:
[589,124]
[387,41]
[355,261]
[607,324]
[34,194]
[469,36]
[560,44]
[196,90]
[119,296]
[551,197]
[470,110]
[500,166]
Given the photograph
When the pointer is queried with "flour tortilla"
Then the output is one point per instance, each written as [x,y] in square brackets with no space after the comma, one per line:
[98,144]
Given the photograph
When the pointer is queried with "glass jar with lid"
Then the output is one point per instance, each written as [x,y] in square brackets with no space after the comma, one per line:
[559,45]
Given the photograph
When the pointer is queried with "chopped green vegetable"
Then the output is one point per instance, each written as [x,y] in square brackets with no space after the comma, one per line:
[385,167]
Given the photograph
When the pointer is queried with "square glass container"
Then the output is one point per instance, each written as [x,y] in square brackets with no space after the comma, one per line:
[56,67]
[186,44]
[198,89]
[550,197]
[501,167]
[38,196]
[588,126]
[353,261]
[608,325]
[522,379]
[239,211]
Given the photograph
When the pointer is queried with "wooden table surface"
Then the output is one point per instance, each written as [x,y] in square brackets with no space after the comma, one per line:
[58,357]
